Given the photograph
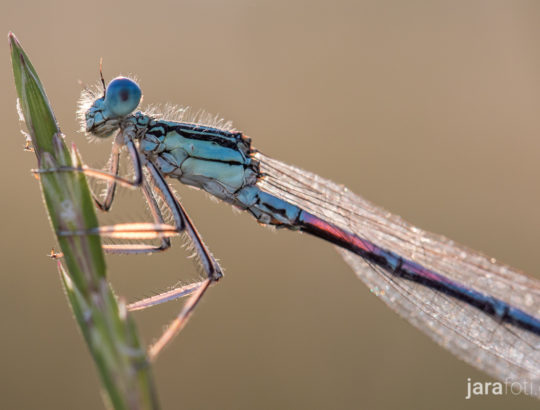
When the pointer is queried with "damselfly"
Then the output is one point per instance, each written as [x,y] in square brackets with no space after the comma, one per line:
[485,312]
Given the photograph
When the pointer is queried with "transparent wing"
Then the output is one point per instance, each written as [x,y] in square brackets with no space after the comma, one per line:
[508,353]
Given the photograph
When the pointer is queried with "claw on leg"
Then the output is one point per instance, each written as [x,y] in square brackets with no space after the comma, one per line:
[55,255]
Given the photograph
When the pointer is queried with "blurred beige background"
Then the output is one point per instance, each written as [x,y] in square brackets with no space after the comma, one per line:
[429,109]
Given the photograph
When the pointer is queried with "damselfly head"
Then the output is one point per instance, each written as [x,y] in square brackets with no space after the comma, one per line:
[106,113]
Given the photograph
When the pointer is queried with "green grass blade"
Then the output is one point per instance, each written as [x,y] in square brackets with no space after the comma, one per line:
[108,329]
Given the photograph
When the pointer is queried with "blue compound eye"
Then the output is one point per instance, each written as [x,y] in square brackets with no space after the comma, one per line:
[122,96]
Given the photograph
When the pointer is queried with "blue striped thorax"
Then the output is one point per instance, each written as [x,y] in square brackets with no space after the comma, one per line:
[220,161]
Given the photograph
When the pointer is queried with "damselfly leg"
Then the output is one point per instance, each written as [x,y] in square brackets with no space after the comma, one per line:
[114,162]
[151,183]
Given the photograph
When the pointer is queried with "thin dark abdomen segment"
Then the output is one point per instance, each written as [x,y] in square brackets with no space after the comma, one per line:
[403,268]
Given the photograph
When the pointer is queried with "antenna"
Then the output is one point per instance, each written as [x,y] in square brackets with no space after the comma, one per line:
[101,76]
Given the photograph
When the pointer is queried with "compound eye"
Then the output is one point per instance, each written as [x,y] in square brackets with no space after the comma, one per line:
[122,96]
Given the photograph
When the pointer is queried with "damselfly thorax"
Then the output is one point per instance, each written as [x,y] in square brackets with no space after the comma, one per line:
[221,162]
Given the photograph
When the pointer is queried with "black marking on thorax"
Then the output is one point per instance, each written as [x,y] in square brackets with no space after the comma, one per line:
[227,139]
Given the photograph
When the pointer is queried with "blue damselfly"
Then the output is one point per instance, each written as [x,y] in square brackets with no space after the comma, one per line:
[485,312]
